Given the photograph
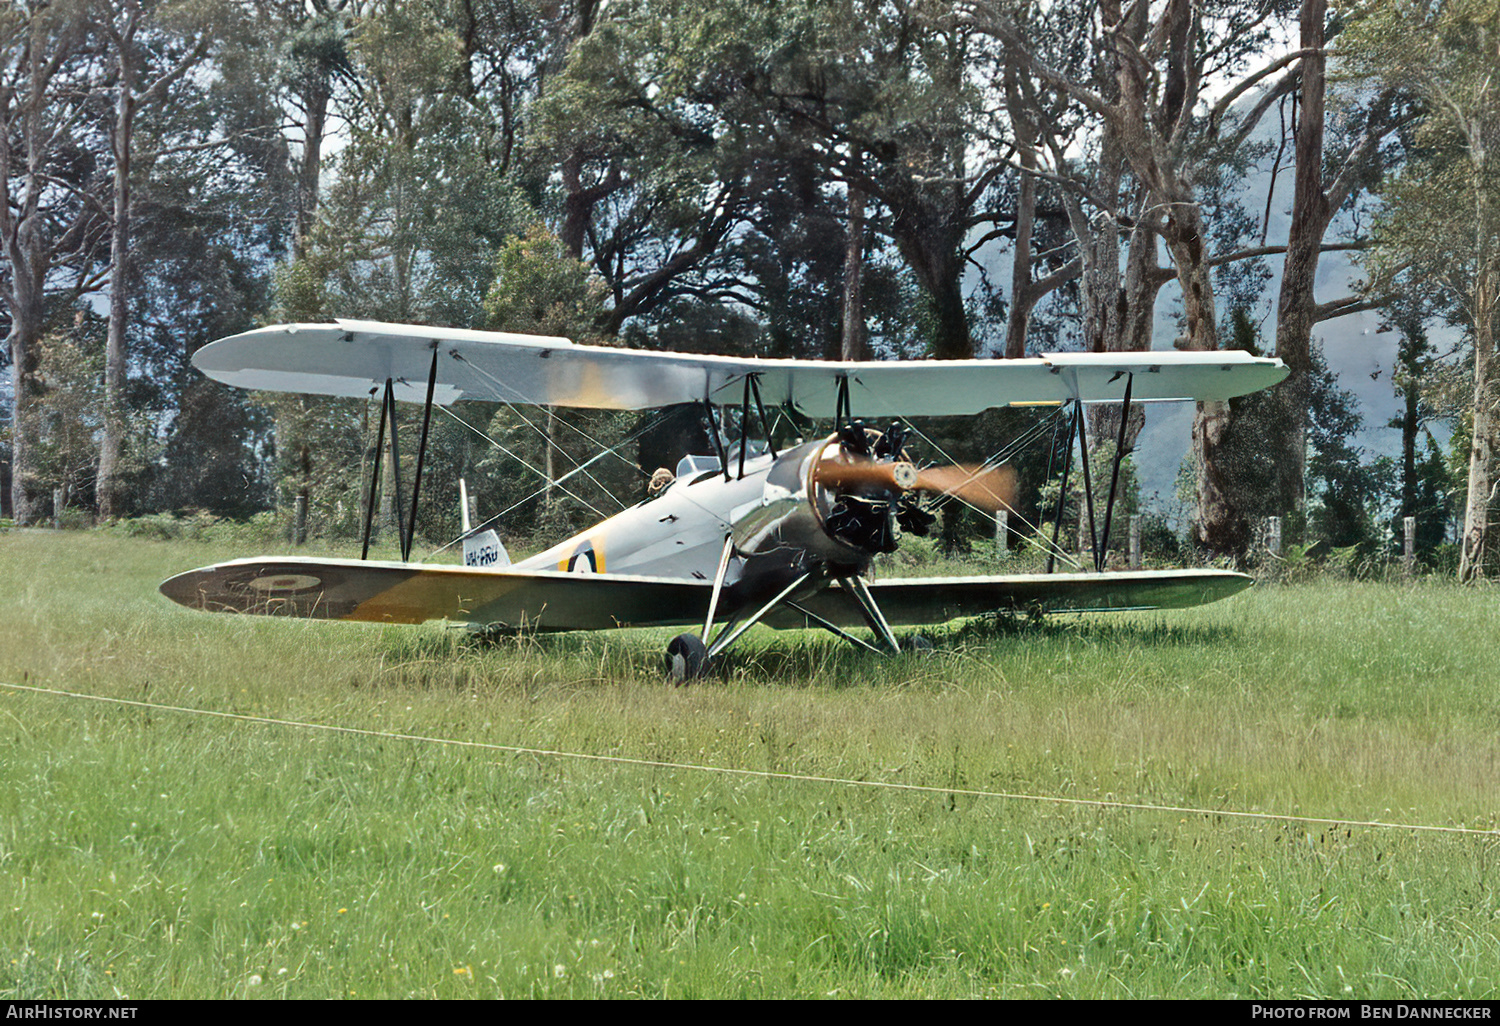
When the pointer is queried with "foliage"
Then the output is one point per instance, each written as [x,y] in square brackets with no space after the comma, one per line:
[1441,220]
[682,175]
[539,289]
[726,137]
[72,368]
[200,526]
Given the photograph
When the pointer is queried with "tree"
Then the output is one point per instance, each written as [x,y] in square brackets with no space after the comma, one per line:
[152,46]
[1323,184]
[52,221]
[410,225]
[1441,222]
[687,111]
[1423,487]
[314,58]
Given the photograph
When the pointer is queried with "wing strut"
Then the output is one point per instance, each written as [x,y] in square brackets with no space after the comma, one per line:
[416,488]
[833,628]
[752,388]
[1114,477]
[728,637]
[387,416]
[1062,493]
[375,469]
[713,432]
[406,527]
[760,409]
[713,599]
[1088,482]
[390,400]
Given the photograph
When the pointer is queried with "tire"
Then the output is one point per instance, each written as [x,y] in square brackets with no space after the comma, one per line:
[687,657]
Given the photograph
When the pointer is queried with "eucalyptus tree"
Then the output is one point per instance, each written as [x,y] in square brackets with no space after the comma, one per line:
[212,210]
[53,220]
[684,107]
[1171,94]
[152,45]
[1440,227]
[1335,160]
[417,202]
[311,63]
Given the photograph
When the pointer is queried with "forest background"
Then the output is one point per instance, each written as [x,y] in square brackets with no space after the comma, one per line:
[848,178]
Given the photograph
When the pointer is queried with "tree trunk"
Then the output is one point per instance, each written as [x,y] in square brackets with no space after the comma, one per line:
[316,96]
[34,240]
[930,244]
[27,495]
[110,488]
[1020,276]
[1021,299]
[1104,318]
[1476,537]
[26,249]
[1221,526]
[1187,242]
[1297,304]
[853,347]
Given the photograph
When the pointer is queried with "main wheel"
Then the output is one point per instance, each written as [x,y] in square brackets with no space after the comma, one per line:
[686,658]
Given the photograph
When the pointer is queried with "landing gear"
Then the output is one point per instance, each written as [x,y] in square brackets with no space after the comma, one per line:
[687,657]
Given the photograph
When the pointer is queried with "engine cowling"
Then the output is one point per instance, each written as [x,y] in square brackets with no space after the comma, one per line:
[844,499]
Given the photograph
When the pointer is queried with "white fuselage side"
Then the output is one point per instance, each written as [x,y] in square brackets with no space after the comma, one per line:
[772,512]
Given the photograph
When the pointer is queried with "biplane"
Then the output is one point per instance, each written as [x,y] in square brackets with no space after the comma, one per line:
[749,533]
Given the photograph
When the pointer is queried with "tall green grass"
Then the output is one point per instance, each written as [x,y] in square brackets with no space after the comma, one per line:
[146,853]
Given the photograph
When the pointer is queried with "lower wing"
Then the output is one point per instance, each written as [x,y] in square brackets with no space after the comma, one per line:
[930,600]
[549,600]
[347,589]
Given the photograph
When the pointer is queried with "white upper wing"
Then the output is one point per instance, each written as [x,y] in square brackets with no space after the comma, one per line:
[355,358]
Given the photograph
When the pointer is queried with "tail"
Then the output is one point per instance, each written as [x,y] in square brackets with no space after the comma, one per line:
[482,549]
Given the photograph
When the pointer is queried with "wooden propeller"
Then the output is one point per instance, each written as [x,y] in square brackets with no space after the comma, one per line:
[988,488]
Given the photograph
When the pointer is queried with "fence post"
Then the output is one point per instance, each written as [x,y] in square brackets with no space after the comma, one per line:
[1409,546]
[1135,542]
[1273,535]
[1002,532]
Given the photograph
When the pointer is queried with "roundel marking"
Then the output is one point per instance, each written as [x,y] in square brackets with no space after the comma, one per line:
[285,582]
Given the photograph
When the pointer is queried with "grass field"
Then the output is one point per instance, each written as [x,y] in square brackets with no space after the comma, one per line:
[154,854]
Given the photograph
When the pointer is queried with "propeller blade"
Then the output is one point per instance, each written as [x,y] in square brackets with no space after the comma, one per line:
[990,489]
[892,477]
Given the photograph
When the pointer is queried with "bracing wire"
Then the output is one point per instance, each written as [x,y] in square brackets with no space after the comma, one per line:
[535,470]
[650,423]
[521,398]
[1046,542]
